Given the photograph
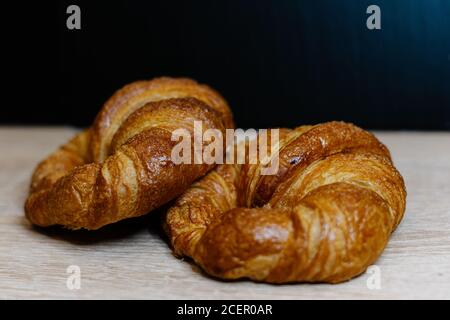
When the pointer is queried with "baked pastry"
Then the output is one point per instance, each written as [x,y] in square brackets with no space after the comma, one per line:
[121,166]
[324,217]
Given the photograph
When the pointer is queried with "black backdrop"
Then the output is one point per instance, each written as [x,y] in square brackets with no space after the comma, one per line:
[278,63]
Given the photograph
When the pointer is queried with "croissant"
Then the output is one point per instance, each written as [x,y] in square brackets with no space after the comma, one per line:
[324,217]
[121,166]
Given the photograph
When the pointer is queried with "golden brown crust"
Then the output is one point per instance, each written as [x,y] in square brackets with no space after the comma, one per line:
[131,143]
[133,96]
[326,216]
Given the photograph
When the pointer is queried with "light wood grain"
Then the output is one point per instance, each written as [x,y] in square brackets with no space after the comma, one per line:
[132,260]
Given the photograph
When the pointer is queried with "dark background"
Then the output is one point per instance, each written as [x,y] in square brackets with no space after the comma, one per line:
[278,63]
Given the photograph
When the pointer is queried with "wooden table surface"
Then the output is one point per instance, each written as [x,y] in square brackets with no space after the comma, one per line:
[131,259]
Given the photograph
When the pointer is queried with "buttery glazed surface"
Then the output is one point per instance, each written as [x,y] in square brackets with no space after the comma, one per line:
[325,217]
[121,166]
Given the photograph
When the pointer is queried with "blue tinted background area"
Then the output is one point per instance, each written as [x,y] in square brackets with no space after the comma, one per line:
[399,76]
[278,63]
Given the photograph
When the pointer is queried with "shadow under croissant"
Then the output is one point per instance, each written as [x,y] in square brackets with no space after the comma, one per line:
[120,230]
[152,224]
[197,269]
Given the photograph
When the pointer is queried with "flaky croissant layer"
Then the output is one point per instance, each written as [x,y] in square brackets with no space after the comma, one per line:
[121,166]
[324,217]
